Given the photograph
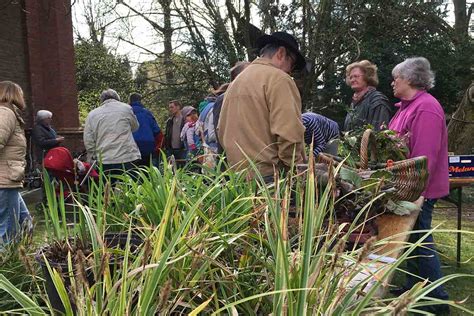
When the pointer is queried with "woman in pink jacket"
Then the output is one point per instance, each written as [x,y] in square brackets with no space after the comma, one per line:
[421,118]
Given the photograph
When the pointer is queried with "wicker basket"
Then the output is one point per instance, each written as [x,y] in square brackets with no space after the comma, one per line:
[409,176]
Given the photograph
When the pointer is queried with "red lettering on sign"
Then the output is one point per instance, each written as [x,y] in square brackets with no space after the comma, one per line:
[460,169]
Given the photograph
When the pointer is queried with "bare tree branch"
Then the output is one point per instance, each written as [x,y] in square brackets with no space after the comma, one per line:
[140,47]
[151,22]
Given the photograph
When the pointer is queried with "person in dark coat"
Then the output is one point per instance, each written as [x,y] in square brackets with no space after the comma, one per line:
[368,105]
[216,110]
[146,133]
[44,136]
[173,144]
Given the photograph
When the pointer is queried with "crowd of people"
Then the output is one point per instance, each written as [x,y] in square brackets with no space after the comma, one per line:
[256,117]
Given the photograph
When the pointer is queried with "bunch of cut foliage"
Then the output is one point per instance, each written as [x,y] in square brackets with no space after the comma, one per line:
[388,146]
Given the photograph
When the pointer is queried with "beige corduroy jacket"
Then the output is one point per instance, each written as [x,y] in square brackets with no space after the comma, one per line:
[12,148]
[261,117]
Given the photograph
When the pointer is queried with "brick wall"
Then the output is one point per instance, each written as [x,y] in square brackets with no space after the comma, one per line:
[13,50]
[37,52]
[51,60]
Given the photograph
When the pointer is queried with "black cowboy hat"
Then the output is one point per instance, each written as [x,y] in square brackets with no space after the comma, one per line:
[286,40]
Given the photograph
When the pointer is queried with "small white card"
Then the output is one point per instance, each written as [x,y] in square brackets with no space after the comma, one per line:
[454,159]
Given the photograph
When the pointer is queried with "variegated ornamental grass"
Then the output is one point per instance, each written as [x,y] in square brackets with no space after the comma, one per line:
[215,244]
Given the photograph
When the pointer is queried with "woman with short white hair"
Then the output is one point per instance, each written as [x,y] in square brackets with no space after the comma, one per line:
[421,119]
[44,136]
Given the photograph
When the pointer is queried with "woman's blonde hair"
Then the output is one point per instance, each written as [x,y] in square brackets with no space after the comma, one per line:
[368,69]
[11,93]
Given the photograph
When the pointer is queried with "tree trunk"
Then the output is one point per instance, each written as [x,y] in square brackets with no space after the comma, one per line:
[461,125]
[198,40]
[234,18]
[220,30]
[462,16]
[248,45]
[167,41]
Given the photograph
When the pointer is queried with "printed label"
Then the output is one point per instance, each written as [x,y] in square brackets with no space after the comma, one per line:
[454,159]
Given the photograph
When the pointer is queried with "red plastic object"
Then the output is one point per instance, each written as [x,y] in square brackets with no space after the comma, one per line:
[59,159]
[59,162]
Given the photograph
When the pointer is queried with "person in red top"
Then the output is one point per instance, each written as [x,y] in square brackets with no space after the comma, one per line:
[421,119]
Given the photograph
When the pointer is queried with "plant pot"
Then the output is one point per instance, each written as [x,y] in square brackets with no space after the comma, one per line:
[111,240]
[62,267]
[119,241]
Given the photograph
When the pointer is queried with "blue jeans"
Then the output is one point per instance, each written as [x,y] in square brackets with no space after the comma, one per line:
[13,212]
[426,264]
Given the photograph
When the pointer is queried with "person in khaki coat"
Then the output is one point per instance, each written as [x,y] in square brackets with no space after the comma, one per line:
[108,135]
[261,113]
[13,211]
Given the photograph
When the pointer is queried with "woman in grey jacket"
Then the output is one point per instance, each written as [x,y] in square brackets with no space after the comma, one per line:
[13,211]
[368,105]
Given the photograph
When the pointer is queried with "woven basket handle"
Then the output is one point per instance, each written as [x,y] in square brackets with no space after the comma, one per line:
[368,139]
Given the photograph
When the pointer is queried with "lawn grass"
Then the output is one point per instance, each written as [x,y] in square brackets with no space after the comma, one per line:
[39,232]
[461,288]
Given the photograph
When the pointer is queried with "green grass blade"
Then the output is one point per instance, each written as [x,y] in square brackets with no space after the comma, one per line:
[26,302]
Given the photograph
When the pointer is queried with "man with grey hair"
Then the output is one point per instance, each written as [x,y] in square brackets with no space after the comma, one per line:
[261,114]
[108,134]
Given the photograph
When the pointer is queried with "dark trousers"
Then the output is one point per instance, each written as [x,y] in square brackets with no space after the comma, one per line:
[115,169]
[425,264]
[179,155]
[147,160]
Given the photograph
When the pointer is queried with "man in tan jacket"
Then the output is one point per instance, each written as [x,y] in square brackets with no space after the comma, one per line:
[261,114]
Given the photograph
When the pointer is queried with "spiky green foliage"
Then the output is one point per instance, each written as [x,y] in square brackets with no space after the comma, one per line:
[219,243]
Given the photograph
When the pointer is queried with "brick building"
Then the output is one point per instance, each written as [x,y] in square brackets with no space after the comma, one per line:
[37,52]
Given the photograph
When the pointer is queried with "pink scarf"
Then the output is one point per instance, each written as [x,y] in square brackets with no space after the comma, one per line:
[357,96]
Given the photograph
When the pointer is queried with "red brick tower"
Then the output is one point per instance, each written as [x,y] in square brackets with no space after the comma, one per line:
[37,52]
